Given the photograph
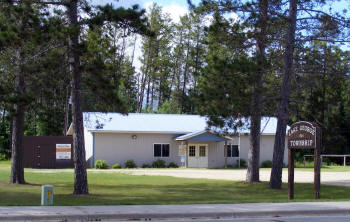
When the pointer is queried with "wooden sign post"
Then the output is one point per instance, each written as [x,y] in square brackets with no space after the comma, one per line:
[304,135]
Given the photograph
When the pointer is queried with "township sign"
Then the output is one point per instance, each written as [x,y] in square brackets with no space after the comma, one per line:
[63,151]
[302,135]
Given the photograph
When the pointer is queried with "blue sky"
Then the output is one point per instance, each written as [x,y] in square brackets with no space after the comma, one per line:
[177,7]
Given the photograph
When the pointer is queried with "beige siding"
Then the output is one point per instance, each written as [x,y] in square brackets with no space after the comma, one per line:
[88,147]
[266,148]
[118,148]
[216,155]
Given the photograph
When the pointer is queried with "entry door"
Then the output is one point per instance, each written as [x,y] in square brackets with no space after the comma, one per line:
[198,155]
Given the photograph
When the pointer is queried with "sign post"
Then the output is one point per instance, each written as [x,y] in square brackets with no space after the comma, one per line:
[304,135]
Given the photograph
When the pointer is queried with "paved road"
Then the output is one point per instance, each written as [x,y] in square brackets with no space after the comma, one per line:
[332,178]
[275,219]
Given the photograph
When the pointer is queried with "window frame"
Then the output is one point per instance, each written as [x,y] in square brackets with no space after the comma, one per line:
[161,150]
[231,149]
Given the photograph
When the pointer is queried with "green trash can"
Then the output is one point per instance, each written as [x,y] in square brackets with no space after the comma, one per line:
[46,195]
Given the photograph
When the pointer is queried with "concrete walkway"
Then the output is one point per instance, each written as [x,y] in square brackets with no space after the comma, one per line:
[147,212]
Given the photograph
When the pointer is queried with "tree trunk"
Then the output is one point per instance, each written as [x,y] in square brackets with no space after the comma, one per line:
[283,116]
[144,77]
[66,111]
[256,106]
[185,77]
[80,175]
[17,170]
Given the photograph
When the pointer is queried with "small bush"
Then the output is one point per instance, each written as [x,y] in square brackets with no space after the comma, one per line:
[173,165]
[2,156]
[229,166]
[266,164]
[158,164]
[101,164]
[243,163]
[130,164]
[116,166]
[145,165]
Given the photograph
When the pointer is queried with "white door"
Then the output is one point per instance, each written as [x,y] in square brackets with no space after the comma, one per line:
[198,155]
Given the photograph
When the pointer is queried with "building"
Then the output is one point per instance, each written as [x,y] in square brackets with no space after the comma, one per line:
[182,139]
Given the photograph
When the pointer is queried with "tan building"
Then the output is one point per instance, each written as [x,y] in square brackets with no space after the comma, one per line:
[182,139]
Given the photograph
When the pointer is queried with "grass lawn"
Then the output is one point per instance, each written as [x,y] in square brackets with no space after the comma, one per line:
[116,188]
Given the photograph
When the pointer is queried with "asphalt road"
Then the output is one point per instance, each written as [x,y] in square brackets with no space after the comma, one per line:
[275,219]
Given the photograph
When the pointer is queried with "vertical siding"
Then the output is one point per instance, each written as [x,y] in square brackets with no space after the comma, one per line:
[266,148]
[118,148]
[216,155]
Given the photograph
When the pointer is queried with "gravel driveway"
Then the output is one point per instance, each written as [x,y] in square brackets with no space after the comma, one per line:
[333,178]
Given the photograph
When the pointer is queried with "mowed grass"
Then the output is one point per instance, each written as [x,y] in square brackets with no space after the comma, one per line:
[116,189]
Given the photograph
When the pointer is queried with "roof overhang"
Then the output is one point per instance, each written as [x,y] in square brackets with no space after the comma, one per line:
[205,135]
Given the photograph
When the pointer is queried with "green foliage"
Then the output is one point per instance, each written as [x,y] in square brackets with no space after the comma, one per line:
[130,164]
[3,157]
[101,164]
[145,165]
[172,165]
[169,107]
[116,166]
[266,164]
[229,166]
[159,163]
[242,162]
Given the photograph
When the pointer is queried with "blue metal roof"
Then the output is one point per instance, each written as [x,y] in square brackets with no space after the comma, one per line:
[161,123]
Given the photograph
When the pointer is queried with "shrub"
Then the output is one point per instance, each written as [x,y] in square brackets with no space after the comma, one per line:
[101,164]
[266,164]
[2,156]
[130,164]
[145,165]
[116,166]
[173,165]
[243,163]
[229,166]
[158,164]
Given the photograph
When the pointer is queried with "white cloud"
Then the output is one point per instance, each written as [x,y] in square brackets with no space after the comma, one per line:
[175,11]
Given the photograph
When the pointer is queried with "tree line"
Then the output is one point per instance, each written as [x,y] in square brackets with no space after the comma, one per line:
[288,59]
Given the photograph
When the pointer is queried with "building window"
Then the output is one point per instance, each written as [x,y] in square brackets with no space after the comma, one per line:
[161,150]
[232,151]
[192,151]
[202,151]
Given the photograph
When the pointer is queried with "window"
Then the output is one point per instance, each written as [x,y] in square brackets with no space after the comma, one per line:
[192,151]
[161,150]
[232,151]
[202,151]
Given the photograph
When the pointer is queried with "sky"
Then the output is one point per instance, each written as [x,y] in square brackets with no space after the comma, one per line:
[175,8]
